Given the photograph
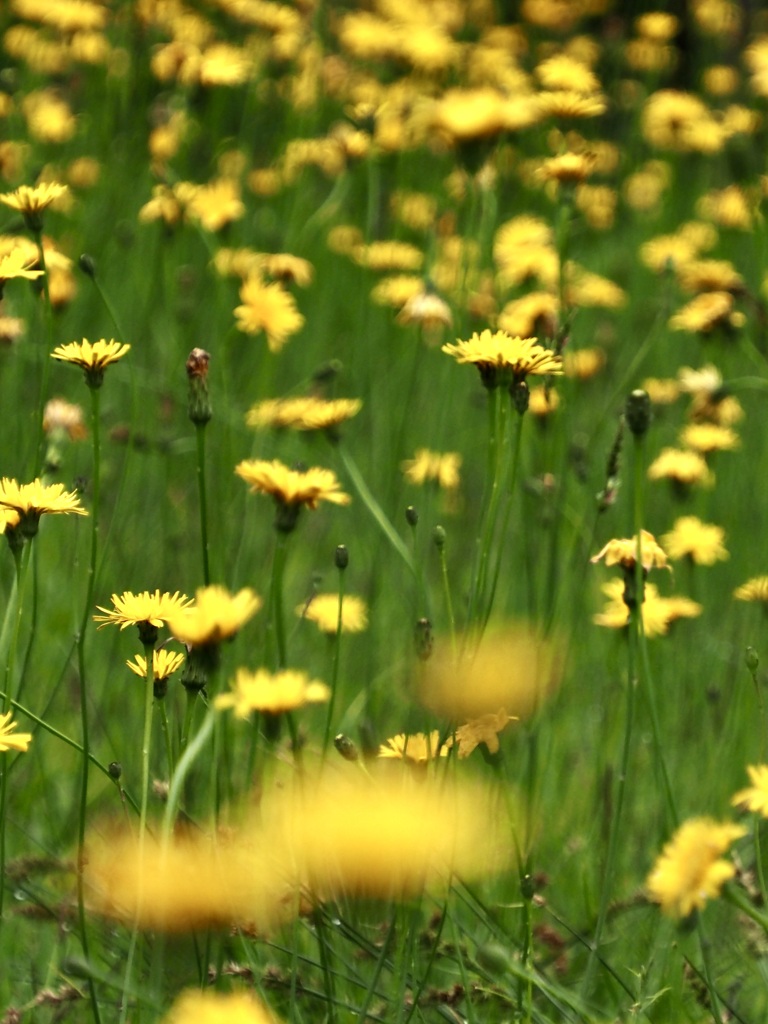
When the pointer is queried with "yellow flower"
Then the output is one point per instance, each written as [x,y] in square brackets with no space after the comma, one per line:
[262,691]
[425,308]
[427,465]
[307,413]
[535,313]
[499,356]
[164,664]
[292,486]
[682,467]
[216,204]
[755,589]
[658,612]
[417,747]
[513,668]
[268,308]
[389,255]
[624,552]
[569,103]
[63,418]
[484,729]
[209,1007]
[30,501]
[17,264]
[9,738]
[323,609]
[709,437]
[584,363]
[466,114]
[691,538]
[566,168]
[31,201]
[564,72]
[707,312]
[690,869]
[710,276]
[216,615]
[755,798]
[144,609]
[92,358]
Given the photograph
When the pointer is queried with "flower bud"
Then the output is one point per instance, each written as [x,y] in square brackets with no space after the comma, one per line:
[341,557]
[638,412]
[199,402]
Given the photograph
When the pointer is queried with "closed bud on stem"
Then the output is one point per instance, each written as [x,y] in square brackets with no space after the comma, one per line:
[520,395]
[199,402]
[115,770]
[423,638]
[346,747]
[341,557]
[438,537]
[87,265]
[638,412]
[412,515]
[751,660]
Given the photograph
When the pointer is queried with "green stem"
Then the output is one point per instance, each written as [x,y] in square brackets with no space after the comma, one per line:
[46,368]
[87,607]
[335,666]
[277,620]
[714,1000]
[189,712]
[448,600]
[202,492]
[492,506]
[187,759]
[324,949]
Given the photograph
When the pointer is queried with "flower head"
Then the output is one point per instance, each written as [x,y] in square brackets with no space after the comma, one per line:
[93,358]
[426,465]
[208,1007]
[658,612]
[147,611]
[624,552]
[306,413]
[755,589]
[63,419]
[323,609]
[269,308]
[30,501]
[216,615]
[500,357]
[690,869]
[754,798]
[291,488]
[9,738]
[682,467]
[484,729]
[262,691]
[164,664]
[32,201]
[16,264]
[701,542]
[418,748]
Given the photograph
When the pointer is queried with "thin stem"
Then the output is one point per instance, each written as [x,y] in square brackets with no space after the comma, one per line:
[277,620]
[491,507]
[187,759]
[202,492]
[335,666]
[448,600]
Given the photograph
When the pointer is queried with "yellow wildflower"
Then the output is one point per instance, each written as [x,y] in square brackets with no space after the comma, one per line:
[418,747]
[755,798]
[484,729]
[9,738]
[323,609]
[273,694]
[701,542]
[216,615]
[624,552]
[268,308]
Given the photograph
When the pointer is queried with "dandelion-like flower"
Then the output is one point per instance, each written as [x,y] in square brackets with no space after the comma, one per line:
[273,694]
[690,869]
[305,413]
[164,664]
[624,552]
[691,538]
[92,358]
[17,264]
[291,488]
[9,738]
[148,611]
[682,467]
[216,615]
[208,1007]
[502,358]
[30,501]
[658,612]
[323,609]
[755,589]
[484,729]
[269,308]
[755,797]
[31,201]
[419,748]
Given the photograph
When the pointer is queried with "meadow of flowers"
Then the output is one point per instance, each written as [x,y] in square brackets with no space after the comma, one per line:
[383,473]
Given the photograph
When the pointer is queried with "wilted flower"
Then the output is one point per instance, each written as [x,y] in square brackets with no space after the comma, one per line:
[484,729]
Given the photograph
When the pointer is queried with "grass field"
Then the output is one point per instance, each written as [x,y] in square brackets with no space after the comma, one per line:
[392,376]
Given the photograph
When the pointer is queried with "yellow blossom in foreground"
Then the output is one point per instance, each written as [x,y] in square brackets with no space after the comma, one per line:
[268,308]
[9,738]
[755,589]
[245,882]
[305,413]
[426,465]
[513,668]
[209,1007]
[691,538]
[690,869]
[624,552]
[215,616]
[18,264]
[262,691]
[135,609]
[755,797]
[292,486]
[484,729]
[416,747]
[499,355]
[323,609]
[164,664]
[32,200]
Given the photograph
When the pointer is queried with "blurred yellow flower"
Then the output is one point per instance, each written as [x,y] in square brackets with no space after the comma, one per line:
[208,1007]
[292,486]
[682,467]
[691,538]
[18,264]
[305,413]
[755,797]
[9,738]
[263,691]
[64,419]
[707,312]
[216,615]
[755,589]
[690,869]
[164,664]
[442,468]
[32,200]
[658,612]
[418,747]
[269,308]
[624,552]
[323,609]
[513,668]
